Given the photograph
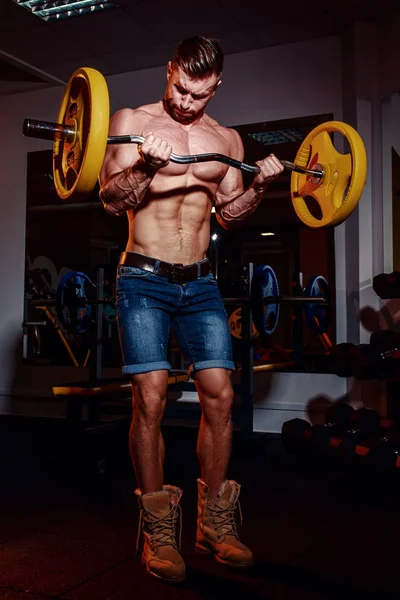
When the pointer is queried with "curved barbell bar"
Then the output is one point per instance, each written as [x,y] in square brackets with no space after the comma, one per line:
[51,131]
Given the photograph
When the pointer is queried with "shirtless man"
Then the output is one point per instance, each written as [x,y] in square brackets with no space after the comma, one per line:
[164,280]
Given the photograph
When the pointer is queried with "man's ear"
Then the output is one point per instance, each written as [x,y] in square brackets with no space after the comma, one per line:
[169,70]
[216,87]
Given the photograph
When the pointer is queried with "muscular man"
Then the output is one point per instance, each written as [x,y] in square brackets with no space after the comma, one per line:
[164,281]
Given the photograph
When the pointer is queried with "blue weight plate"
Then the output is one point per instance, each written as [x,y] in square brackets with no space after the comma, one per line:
[76,318]
[318,317]
[264,284]
[109,311]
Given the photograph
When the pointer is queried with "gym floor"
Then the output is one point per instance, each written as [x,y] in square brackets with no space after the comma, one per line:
[68,521]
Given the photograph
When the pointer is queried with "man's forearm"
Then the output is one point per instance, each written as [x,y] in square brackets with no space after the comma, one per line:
[125,190]
[241,207]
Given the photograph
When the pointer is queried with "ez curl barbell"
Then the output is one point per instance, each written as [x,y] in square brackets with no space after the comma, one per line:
[51,131]
[80,138]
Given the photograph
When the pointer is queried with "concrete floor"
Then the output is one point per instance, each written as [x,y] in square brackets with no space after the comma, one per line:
[68,521]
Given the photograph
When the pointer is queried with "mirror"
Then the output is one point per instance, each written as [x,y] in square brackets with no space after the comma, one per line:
[61,237]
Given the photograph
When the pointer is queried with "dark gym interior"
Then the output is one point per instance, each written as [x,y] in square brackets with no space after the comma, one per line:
[312,307]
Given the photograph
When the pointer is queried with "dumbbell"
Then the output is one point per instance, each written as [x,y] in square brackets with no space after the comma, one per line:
[357,425]
[367,361]
[332,442]
[299,437]
[381,453]
[337,445]
[387,344]
[385,340]
[387,285]
[342,359]
[362,361]
[296,435]
[384,457]
[359,440]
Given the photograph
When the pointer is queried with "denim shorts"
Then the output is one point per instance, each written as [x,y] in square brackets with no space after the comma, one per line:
[148,305]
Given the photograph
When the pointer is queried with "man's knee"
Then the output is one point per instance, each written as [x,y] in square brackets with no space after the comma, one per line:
[216,395]
[149,393]
[218,411]
[214,382]
[225,397]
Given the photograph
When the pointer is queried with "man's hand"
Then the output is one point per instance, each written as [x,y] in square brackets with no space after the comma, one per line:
[270,168]
[155,152]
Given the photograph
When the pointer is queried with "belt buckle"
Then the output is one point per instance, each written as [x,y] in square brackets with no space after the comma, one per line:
[177,274]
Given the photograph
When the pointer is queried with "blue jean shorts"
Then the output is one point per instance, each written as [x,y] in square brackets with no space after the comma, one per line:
[148,305]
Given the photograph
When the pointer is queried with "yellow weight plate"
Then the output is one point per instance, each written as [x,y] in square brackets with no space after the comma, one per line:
[340,189]
[235,325]
[86,107]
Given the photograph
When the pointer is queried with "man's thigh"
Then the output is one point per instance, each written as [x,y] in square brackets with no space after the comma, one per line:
[143,320]
[201,328]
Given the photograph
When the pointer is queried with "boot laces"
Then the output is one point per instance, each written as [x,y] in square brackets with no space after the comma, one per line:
[224,518]
[161,529]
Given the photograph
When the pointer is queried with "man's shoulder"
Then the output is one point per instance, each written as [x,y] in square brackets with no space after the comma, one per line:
[222,129]
[231,135]
[150,110]
[139,113]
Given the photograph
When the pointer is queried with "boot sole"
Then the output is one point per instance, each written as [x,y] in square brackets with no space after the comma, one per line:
[151,573]
[205,550]
[166,579]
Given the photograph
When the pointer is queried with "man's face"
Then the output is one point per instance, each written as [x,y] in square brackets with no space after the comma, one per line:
[186,98]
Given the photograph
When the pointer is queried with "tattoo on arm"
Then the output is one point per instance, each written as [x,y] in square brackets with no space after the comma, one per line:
[125,190]
[240,208]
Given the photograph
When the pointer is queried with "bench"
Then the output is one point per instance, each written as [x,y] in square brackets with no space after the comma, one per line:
[105,396]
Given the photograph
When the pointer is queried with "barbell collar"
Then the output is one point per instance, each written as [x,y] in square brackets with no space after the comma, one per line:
[46,130]
[293,167]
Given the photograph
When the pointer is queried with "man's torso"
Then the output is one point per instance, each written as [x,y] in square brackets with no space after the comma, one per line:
[173,220]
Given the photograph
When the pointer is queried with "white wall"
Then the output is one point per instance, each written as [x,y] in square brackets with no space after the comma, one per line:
[388,81]
[390,139]
[370,72]
[263,85]
[389,98]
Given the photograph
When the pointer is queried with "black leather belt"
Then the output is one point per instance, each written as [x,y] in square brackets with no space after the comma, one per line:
[175,272]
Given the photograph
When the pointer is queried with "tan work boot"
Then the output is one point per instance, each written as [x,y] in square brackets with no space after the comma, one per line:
[216,527]
[159,512]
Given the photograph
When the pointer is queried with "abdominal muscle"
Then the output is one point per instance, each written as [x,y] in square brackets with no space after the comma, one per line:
[172,222]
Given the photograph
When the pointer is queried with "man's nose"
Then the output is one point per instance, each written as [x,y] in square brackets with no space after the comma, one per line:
[185,102]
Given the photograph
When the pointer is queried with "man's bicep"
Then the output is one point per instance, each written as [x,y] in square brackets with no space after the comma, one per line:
[117,159]
[232,183]
[230,187]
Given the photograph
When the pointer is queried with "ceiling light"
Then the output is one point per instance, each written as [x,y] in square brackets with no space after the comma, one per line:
[267,233]
[53,10]
[283,136]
